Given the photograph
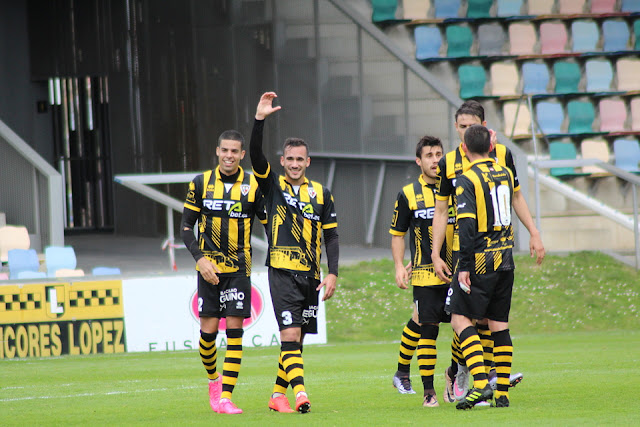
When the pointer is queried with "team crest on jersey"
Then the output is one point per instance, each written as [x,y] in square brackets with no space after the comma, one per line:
[312,192]
[244,189]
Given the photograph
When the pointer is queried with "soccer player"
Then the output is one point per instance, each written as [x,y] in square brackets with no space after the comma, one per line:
[413,211]
[449,168]
[483,282]
[225,202]
[300,213]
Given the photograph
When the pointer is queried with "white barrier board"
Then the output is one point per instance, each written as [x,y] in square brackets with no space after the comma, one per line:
[161,314]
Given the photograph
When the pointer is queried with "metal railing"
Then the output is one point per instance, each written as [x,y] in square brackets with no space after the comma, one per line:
[31,190]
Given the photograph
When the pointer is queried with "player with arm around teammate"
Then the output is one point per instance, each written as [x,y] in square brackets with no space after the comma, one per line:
[224,201]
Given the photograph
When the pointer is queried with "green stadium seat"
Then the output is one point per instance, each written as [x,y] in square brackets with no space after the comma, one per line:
[567,76]
[479,8]
[563,151]
[384,10]
[581,116]
[459,40]
[472,80]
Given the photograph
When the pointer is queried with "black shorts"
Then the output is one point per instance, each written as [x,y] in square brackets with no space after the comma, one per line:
[429,301]
[230,297]
[295,300]
[490,296]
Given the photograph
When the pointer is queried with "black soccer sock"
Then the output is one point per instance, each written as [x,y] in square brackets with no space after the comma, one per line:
[408,345]
[472,352]
[503,356]
[232,362]
[427,354]
[209,354]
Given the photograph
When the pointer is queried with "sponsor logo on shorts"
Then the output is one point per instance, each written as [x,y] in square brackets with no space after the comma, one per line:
[257,306]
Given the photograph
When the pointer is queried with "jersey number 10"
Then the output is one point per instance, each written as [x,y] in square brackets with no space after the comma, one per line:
[501,200]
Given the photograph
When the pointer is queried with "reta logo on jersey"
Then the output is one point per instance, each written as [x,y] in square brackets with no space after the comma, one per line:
[425,213]
[233,207]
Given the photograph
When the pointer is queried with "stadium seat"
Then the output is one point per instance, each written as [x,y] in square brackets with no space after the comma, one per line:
[535,78]
[31,275]
[599,73]
[615,35]
[522,38]
[627,154]
[504,79]
[549,116]
[428,42]
[540,7]
[553,38]
[384,10]
[522,122]
[69,272]
[459,40]
[635,114]
[508,8]
[416,9]
[491,40]
[613,115]
[571,7]
[630,6]
[627,72]
[446,8]
[479,8]
[584,36]
[595,149]
[563,151]
[567,76]
[59,257]
[581,116]
[106,271]
[636,34]
[4,276]
[13,237]
[22,260]
[472,80]
[603,6]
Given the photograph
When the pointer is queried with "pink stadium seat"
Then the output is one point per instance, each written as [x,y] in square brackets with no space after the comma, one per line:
[522,38]
[603,6]
[4,276]
[635,114]
[571,7]
[613,114]
[553,38]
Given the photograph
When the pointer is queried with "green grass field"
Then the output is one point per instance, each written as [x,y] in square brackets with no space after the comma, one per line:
[574,333]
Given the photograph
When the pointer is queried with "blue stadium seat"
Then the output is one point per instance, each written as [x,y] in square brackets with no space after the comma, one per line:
[599,73]
[59,257]
[106,271]
[447,8]
[549,116]
[535,77]
[510,8]
[428,41]
[22,260]
[31,275]
[627,154]
[615,35]
[584,35]
[630,6]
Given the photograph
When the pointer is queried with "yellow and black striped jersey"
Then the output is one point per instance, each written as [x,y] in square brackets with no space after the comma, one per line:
[454,163]
[413,211]
[295,222]
[226,212]
[485,196]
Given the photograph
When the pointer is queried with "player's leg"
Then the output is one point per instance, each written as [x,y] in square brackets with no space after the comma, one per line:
[209,312]
[427,356]
[503,356]
[482,326]
[231,367]
[291,354]
[408,344]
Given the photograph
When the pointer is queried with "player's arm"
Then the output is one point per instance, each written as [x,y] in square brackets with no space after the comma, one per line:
[398,229]
[332,247]
[190,215]
[263,110]
[467,229]
[524,215]
[440,220]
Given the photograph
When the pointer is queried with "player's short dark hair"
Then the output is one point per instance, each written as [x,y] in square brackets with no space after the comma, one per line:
[472,108]
[232,135]
[295,142]
[477,139]
[427,141]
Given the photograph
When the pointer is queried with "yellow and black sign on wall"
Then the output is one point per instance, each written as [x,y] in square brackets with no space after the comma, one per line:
[50,319]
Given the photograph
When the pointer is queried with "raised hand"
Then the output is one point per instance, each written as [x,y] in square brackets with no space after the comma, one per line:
[265,105]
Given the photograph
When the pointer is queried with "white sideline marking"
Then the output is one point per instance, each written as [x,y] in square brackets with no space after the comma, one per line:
[107,393]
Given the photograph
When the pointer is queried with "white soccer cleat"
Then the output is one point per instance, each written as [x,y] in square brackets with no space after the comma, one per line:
[403,384]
